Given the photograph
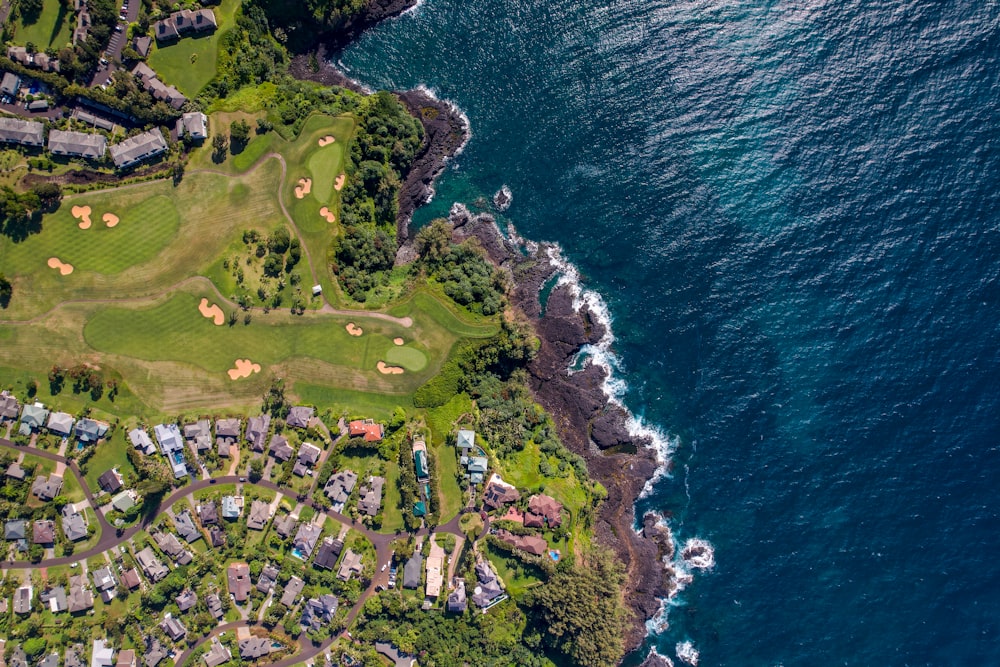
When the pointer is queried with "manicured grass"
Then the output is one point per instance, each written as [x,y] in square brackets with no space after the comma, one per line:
[517,577]
[375,405]
[53,27]
[431,305]
[451,492]
[325,164]
[191,62]
[71,487]
[409,358]
[109,454]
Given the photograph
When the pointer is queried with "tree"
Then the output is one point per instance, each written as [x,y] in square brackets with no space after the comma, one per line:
[434,240]
[256,469]
[6,291]
[49,195]
[35,646]
[220,144]
[239,134]
[30,11]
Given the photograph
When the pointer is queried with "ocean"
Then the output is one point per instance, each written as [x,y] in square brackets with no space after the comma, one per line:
[792,213]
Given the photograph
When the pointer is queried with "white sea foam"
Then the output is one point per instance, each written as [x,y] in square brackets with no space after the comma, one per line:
[457,110]
[412,10]
[665,659]
[698,554]
[687,653]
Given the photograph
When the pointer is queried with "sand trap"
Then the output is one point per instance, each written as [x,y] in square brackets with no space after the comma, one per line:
[388,370]
[82,213]
[64,269]
[212,311]
[398,341]
[327,140]
[339,183]
[244,367]
[328,214]
[110,219]
[354,329]
[303,188]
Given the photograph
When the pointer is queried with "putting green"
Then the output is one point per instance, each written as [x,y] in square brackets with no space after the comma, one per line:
[325,164]
[407,357]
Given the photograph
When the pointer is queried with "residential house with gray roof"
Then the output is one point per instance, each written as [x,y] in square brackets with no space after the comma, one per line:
[254,647]
[370,500]
[306,538]
[22,599]
[339,487]
[55,599]
[10,408]
[227,434]
[186,600]
[151,565]
[183,22]
[280,449]
[33,417]
[81,598]
[60,423]
[47,488]
[328,553]
[260,513]
[171,546]
[10,84]
[350,565]
[299,416]
[267,579]
[154,653]
[199,434]
[207,513]
[214,604]
[173,628]
[292,591]
[24,132]
[72,657]
[15,529]
[257,428]
[318,612]
[74,526]
[137,148]
[217,654]
[184,524]
[194,125]
[78,144]
[109,480]
[141,441]
[88,431]
[169,437]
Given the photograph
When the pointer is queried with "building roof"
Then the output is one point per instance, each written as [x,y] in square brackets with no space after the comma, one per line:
[412,571]
[398,658]
[184,21]
[370,500]
[268,577]
[72,657]
[138,148]
[126,658]
[33,415]
[498,492]
[73,525]
[217,536]
[238,578]
[299,416]
[365,428]
[110,480]
[285,525]
[292,590]
[257,427]
[123,501]
[466,439]
[338,488]
[141,440]
[55,599]
[142,45]
[131,579]
[207,513]
[43,532]
[184,525]
[202,427]
[9,405]
[80,144]
[232,507]
[10,83]
[15,529]
[186,600]
[254,647]
[214,604]
[61,423]
[15,471]
[90,430]
[350,565]
[457,602]
[318,612]
[102,655]
[260,512]
[151,565]
[217,654]
[280,448]
[309,454]
[104,578]
[488,589]
[173,627]
[154,653]
[546,507]
[228,428]
[47,488]
[532,544]
[329,551]
[306,537]
[81,598]
[25,132]
[22,599]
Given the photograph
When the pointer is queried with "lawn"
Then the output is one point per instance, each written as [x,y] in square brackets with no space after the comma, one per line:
[191,62]
[52,28]
[516,576]
[110,454]
[451,492]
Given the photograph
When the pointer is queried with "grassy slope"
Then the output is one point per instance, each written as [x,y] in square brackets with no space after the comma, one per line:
[174,62]
[53,28]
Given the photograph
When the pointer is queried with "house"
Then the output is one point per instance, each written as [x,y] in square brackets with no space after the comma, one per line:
[104,579]
[489,590]
[214,604]
[457,602]
[217,537]
[476,467]
[173,628]
[217,654]
[299,416]
[22,599]
[55,599]
[285,525]
[184,525]
[199,434]
[18,658]
[77,144]
[142,45]
[254,647]
[83,23]
[126,658]
[88,431]
[33,416]
[329,551]
[208,514]
[350,565]
[338,488]
[159,90]
[397,658]
[435,574]
[10,408]
[465,441]
[532,544]
[292,591]
[151,565]
[47,488]
[257,427]
[102,655]
[412,571]
[227,433]
[268,577]
[195,126]
[186,600]
[370,500]
[305,539]
[309,454]
[72,657]
[499,493]
[137,148]
[280,449]
[238,578]
[15,530]
[15,471]
[172,446]
[141,441]
[170,545]
[92,120]
[124,501]
[260,513]
[24,132]
[43,533]
[154,653]
[183,22]
[365,428]
[420,461]
[131,579]
[60,423]
[38,105]
[10,84]
[299,470]
[81,598]
[232,507]
[318,612]
[542,507]
[74,526]
[110,480]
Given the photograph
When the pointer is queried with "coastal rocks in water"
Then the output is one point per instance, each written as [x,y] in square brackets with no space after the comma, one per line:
[655,529]
[608,428]
[502,199]
[698,554]
[654,659]
[687,653]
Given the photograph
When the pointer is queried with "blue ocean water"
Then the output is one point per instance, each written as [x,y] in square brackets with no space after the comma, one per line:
[791,210]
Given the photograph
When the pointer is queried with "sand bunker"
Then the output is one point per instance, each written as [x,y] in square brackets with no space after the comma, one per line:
[64,269]
[388,370]
[398,341]
[110,219]
[327,140]
[327,214]
[339,183]
[212,311]
[244,367]
[82,213]
[354,329]
[303,188]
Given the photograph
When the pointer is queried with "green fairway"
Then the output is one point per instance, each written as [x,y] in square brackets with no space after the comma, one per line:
[190,62]
[325,164]
[53,27]
[409,358]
